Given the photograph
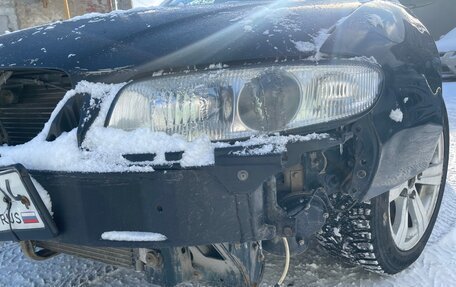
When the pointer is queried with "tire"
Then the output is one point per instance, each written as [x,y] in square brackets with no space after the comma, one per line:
[372,234]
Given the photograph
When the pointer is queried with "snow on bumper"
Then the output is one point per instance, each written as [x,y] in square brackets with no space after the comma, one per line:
[103,148]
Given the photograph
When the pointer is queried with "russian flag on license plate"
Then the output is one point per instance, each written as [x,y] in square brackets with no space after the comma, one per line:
[29,217]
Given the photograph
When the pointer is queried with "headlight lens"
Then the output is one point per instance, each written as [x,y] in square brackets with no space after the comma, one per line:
[233,103]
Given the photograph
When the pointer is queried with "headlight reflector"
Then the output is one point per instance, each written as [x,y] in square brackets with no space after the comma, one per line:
[233,103]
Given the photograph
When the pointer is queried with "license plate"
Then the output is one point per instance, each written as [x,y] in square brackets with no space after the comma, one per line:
[23,215]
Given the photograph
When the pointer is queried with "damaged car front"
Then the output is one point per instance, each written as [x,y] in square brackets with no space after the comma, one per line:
[186,140]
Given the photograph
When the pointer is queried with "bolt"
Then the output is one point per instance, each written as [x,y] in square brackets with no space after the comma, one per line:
[242,175]
[301,200]
[325,215]
[361,173]
[301,242]
[153,259]
[287,231]
[413,194]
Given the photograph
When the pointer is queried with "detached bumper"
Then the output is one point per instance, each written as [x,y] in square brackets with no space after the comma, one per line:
[221,203]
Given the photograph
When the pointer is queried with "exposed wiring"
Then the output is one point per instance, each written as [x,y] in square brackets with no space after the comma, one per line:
[287,262]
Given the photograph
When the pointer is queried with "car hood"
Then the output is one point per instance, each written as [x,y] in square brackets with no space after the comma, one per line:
[121,45]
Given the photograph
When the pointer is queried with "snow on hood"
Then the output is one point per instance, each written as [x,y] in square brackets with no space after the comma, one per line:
[448,42]
[103,148]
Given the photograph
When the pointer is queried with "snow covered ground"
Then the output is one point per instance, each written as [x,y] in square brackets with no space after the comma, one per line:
[436,266]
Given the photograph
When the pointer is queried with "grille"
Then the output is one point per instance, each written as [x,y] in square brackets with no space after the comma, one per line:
[122,257]
[27,99]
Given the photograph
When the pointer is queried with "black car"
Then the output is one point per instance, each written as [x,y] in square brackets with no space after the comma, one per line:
[188,140]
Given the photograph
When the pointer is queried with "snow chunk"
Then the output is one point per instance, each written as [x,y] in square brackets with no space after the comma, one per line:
[304,46]
[43,194]
[132,236]
[370,59]
[376,21]
[215,66]
[248,28]
[71,55]
[406,100]
[158,73]
[319,40]
[396,115]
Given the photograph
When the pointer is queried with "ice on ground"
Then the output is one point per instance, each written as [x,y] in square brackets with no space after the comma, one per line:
[132,236]
[396,115]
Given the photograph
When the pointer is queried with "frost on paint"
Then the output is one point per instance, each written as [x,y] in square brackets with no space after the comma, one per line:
[304,46]
[103,148]
[132,236]
[396,115]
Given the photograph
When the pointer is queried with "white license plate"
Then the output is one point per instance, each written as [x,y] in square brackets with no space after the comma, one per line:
[22,213]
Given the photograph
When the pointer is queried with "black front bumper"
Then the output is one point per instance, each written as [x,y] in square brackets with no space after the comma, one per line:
[190,206]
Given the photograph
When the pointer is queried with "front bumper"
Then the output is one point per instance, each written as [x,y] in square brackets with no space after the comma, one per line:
[189,206]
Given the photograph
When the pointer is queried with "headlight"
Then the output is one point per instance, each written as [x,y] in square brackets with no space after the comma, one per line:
[233,103]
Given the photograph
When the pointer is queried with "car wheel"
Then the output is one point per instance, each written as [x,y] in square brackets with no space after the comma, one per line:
[389,232]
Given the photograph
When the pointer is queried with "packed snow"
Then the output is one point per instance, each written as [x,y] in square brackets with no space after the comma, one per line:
[132,236]
[396,115]
[304,46]
[43,194]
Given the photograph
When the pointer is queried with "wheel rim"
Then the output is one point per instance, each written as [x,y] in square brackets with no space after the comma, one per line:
[412,204]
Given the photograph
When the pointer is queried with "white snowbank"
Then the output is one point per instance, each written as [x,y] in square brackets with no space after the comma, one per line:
[396,115]
[103,148]
[448,42]
[132,236]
